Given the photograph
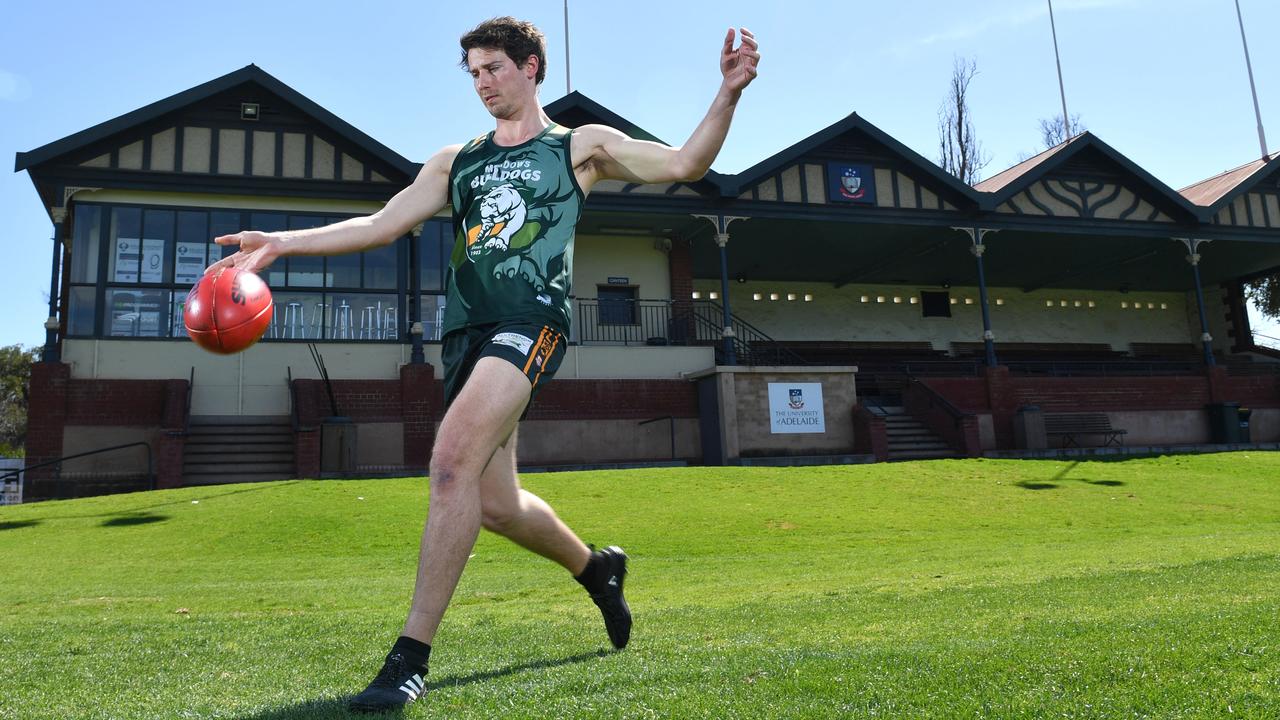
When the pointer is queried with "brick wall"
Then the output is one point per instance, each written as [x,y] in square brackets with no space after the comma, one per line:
[417,400]
[1001,394]
[58,400]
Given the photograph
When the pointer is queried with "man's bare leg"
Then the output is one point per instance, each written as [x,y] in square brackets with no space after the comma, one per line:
[483,416]
[524,518]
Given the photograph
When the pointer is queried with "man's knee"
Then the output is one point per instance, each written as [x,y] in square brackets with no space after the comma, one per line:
[447,466]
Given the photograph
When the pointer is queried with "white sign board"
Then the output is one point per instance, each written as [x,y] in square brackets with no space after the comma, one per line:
[152,260]
[127,256]
[190,263]
[796,408]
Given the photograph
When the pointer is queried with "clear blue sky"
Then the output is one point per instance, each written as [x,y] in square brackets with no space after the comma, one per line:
[1162,81]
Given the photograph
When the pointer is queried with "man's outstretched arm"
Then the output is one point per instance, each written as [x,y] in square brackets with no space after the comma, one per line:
[426,196]
[611,154]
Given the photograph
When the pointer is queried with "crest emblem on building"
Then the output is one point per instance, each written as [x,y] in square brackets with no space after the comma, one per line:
[796,399]
[851,184]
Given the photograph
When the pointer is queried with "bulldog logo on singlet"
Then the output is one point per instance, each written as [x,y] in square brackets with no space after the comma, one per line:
[502,215]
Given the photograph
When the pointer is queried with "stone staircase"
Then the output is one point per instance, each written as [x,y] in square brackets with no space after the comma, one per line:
[223,450]
[910,439]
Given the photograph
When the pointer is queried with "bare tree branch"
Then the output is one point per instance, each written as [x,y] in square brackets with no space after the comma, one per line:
[959,151]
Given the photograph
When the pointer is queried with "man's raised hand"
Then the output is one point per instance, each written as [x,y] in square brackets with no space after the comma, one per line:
[739,65]
[257,251]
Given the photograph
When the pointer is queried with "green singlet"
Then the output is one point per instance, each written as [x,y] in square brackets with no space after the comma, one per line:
[514,214]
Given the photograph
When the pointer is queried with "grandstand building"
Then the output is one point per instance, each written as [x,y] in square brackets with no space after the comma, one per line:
[846,282]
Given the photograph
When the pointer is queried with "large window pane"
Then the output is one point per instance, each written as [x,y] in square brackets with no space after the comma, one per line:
[191,251]
[125,244]
[223,222]
[137,312]
[380,267]
[80,320]
[157,244]
[363,316]
[274,273]
[84,245]
[306,271]
[433,254]
[432,316]
[343,271]
[298,316]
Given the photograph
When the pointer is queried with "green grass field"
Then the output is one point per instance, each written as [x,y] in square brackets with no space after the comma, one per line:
[976,588]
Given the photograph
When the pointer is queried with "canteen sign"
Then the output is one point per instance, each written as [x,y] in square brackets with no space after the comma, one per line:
[851,183]
[796,408]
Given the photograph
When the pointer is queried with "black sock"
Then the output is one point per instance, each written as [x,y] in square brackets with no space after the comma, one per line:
[596,573]
[414,652]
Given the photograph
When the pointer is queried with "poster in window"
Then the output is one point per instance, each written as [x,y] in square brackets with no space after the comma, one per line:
[128,253]
[152,260]
[189,262]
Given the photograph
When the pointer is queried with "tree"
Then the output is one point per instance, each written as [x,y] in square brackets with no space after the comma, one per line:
[15,378]
[1264,293]
[959,150]
[1052,131]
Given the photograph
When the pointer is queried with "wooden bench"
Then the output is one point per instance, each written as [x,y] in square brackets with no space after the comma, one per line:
[854,351]
[1069,425]
[1039,351]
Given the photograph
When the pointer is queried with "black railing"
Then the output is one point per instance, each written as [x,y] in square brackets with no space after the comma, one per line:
[627,322]
[151,476]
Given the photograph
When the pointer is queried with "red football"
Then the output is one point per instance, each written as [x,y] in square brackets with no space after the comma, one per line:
[227,311]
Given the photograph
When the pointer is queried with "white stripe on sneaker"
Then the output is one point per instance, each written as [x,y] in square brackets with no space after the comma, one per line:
[407,690]
[416,681]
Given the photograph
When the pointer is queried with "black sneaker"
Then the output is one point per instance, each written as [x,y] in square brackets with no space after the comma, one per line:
[613,606]
[396,685]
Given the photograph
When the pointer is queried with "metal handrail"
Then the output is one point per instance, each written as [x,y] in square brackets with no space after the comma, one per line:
[672,418]
[936,397]
[151,476]
[186,420]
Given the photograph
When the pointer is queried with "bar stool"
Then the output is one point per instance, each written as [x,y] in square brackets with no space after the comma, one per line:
[293,327]
[319,319]
[271,329]
[369,321]
[390,324]
[342,321]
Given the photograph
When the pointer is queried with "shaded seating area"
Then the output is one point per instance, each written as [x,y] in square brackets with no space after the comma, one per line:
[1069,426]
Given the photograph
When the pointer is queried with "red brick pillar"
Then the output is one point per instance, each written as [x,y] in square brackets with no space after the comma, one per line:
[1217,378]
[46,419]
[680,269]
[1003,404]
[168,468]
[306,439]
[420,405]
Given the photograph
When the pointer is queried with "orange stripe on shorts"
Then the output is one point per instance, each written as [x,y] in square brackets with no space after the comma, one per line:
[546,359]
[536,345]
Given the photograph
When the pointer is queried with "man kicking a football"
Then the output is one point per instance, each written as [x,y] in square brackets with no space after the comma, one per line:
[517,194]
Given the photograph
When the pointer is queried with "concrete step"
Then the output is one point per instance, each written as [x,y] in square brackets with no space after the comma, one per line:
[920,445]
[234,459]
[234,445]
[921,454]
[224,478]
[231,468]
[246,431]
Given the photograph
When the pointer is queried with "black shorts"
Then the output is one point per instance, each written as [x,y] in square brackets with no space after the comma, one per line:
[535,349]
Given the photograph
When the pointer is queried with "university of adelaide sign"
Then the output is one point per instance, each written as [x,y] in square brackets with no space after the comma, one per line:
[796,408]
[851,182]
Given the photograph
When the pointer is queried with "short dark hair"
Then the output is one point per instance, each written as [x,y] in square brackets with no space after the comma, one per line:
[517,38]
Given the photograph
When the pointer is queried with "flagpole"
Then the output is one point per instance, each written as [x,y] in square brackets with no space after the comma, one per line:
[1066,119]
[568,86]
[1262,137]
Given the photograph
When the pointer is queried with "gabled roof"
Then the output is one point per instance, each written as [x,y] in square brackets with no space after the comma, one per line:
[1003,185]
[1004,177]
[247,74]
[852,122]
[1222,188]
[577,109]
